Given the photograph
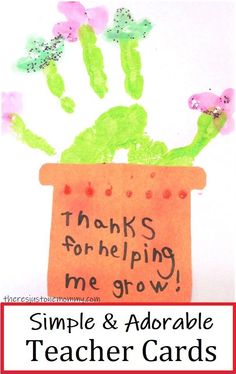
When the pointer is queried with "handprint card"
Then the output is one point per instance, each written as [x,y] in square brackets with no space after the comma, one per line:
[118,151]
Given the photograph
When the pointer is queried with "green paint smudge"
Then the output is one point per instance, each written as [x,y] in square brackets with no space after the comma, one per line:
[127,32]
[118,128]
[67,104]
[93,60]
[131,64]
[28,137]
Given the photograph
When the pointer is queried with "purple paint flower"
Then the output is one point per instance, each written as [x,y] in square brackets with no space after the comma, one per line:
[210,103]
[11,104]
[77,16]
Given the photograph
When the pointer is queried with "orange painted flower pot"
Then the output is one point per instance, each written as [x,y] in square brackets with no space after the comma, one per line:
[121,232]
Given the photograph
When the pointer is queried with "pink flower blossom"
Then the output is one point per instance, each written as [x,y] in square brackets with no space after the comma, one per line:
[77,16]
[11,104]
[210,103]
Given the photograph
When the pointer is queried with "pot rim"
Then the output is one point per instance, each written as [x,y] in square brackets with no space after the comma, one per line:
[55,173]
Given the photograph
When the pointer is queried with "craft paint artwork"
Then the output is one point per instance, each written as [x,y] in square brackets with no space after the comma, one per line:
[127,33]
[209,103]
[12,122]
[41,56]
[84,24]
[11,103]
[113,234]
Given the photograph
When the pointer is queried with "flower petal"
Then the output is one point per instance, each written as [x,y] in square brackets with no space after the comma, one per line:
[68,30]
[97,18]
[29,65]
[203,101]
[228,127]
[227,100]
[73,10]
[11,103]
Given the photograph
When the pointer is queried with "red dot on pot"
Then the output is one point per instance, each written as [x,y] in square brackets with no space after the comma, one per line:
[182,194]
[108,192]
[67,190]
[166,194]
[152,175]
[148,194]
[89,191]
[129,193]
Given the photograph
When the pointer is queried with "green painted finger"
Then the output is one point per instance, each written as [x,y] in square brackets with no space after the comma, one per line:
[131,64]
[56,86]
[28,137]
[208,129]
[93,60]
[127,32]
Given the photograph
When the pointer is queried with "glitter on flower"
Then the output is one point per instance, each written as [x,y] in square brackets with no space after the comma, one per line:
[214,105]
[41,53]
[77,16]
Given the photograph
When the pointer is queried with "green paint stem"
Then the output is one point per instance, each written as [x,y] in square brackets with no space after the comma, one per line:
[131,64]
[93,60]
[56,86]
[208,129]
[118,128]
[55,81]
[127,32]
[28,137]
[68,104]
[50,69]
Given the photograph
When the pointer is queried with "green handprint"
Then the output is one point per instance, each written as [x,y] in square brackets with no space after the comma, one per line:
[120,127]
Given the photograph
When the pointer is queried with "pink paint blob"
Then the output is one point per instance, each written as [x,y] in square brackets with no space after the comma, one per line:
[203,101]
[67,29]
[11,104]
[78,15]
[73,11]
[206,101]
[97,19]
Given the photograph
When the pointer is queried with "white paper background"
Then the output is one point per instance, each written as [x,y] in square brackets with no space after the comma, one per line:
[191,49]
